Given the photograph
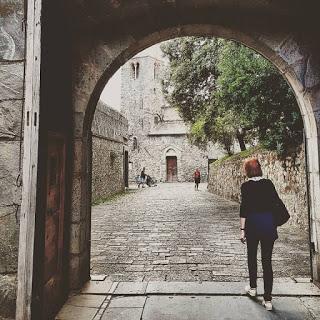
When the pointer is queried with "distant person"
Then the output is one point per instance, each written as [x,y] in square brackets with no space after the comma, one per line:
[143,177]
[196,177]
[148,180]
[261,211]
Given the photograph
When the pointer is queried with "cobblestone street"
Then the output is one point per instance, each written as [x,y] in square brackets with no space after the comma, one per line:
[173,233]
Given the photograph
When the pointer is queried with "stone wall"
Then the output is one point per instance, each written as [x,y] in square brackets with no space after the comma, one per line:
[288,176]
[11,104]
[109,137]
[151,154]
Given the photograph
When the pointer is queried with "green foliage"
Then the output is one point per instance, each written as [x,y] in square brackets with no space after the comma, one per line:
[197,132]
[113,197]
[224,130]
[191,78]
[227,91]
[255,90]
[240,155]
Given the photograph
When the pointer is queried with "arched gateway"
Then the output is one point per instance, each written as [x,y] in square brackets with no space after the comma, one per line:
[78,58]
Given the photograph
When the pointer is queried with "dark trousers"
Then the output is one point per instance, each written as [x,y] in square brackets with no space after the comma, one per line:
[266,254]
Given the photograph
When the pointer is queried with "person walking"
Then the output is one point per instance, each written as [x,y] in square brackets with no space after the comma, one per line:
[258,223]
[143,177]
[196,177]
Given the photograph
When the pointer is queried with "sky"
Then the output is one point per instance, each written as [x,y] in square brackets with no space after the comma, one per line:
[111,92]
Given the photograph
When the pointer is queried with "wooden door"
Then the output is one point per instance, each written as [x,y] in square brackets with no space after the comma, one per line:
[53,277]
[172,170]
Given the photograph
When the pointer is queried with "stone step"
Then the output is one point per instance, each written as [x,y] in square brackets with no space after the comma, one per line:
[282,287]
[169,307]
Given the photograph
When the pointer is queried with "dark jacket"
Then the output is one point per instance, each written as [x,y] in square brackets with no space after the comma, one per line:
[258,201]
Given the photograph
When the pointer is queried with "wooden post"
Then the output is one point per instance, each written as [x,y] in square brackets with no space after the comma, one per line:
[30,160]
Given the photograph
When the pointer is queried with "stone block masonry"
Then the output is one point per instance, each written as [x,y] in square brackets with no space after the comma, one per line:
[109,137]
[12,35]
[288,176]
[151,154]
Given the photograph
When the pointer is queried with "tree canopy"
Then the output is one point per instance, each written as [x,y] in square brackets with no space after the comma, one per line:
[228,92]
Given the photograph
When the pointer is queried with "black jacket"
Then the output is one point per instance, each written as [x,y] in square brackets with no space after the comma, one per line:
[258,205]
[258,196]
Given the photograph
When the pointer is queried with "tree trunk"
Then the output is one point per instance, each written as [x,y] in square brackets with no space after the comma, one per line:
[227,148]
[240,137]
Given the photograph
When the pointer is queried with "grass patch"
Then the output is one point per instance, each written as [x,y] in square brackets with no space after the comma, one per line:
[113,197]
[238,156]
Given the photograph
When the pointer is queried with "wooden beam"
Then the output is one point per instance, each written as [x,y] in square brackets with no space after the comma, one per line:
[30,160]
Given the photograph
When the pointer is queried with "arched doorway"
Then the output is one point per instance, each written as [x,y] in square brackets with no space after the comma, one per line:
[98,55]
[259,44]
[170,164]
[172,168]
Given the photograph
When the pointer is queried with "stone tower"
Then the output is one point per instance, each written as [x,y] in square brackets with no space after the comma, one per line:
[141,93]
[141,103]
[158,137]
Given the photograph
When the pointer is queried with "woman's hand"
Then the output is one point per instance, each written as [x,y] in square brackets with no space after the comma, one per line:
[243,236]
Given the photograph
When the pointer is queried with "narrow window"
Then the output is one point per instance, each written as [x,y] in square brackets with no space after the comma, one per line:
[133,71]
[135,143]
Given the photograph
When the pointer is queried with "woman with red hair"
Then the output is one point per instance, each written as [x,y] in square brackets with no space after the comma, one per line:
[257,224]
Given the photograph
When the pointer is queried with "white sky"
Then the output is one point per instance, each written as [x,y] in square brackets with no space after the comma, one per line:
[111,92]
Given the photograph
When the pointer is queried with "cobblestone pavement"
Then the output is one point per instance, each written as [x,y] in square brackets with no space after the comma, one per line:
[173,233]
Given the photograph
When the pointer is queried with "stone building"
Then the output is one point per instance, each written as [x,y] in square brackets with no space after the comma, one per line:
[75,54]
[109,152]
[158,136]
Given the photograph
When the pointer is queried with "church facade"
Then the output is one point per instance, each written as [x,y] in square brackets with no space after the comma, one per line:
[158,137]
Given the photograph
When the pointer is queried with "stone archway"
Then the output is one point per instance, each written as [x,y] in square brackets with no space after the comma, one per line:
[277,31]
[285,52]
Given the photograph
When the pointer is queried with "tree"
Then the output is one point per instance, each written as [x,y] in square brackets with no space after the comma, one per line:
[253,88]
[217,129]
[191,76]
[228,92]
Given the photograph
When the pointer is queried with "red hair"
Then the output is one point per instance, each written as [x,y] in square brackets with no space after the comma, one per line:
[252,168]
